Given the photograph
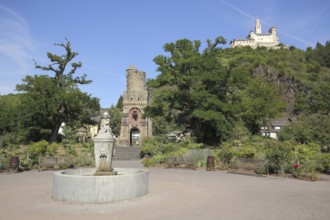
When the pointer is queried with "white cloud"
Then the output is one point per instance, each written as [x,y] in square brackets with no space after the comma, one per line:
[16,49]
[242,12]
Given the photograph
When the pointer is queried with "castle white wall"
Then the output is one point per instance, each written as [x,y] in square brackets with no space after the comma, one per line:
[258,38]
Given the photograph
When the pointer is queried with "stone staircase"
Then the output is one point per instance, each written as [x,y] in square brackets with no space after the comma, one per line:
[127,153]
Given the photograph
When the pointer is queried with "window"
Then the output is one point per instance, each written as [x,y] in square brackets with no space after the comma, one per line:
[266,134]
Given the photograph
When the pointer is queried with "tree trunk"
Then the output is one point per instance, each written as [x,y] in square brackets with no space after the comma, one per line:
[53,137]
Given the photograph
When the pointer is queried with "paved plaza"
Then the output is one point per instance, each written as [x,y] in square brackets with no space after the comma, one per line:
[173,194]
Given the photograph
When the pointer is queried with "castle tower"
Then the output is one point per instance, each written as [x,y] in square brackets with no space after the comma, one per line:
[133,126]
[273,32]
[258,27]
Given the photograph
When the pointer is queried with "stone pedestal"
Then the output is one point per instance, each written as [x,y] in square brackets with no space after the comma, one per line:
[103,150]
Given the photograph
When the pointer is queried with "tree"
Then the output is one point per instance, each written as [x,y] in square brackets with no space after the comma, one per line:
[308,128]
[51,100]
[9,114]
[192,90]
[319,99]
[10,120]
[119,104]
[259,103]
[115,117]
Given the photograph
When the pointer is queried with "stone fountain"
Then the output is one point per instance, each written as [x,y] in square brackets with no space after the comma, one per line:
[102,184]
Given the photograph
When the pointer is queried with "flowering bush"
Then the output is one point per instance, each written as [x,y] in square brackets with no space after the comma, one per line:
[308,155]
[297,165]
[296,172]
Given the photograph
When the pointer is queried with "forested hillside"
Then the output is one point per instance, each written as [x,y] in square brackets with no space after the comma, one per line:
[214,91]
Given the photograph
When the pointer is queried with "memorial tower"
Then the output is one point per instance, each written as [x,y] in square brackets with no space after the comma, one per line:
[134,127]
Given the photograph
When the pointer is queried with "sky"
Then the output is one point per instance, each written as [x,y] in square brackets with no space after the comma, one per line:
[111,35]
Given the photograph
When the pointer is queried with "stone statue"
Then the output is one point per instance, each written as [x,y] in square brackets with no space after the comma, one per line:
[104,144]
[105,123]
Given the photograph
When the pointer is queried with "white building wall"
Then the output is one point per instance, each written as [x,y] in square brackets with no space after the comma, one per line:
[273,135]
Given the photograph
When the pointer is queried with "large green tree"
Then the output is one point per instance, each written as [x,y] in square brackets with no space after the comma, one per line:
[191,90]
[50,100]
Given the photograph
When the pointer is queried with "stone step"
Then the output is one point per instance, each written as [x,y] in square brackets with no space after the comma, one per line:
[127,153]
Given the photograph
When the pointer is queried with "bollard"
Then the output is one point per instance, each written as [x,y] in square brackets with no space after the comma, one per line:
[210,163]
[14,163]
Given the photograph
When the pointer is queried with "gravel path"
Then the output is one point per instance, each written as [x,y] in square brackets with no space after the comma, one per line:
[173,194]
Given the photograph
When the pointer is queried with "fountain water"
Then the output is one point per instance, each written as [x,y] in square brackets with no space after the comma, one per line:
[103,184]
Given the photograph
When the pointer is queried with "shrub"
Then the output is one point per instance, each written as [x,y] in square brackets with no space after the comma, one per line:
[89,145]
[190,143]
[158,149]
[169,148]
[71,149]
[85,159]
[4,140]
[3,162]
[71,161]
[177,152]
[151,146]
[159,158]
[52,149]
[325,163]
[198,155]
[279,155]
[149,162]
[309,157]
[226,154]
[37,149]
[246,152]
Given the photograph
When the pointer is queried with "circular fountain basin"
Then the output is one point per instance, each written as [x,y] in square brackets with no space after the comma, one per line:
[80,186]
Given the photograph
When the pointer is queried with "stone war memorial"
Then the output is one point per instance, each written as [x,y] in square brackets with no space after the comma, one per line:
[136,97]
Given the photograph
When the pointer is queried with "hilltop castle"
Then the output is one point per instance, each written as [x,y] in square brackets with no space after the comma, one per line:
[258,39]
